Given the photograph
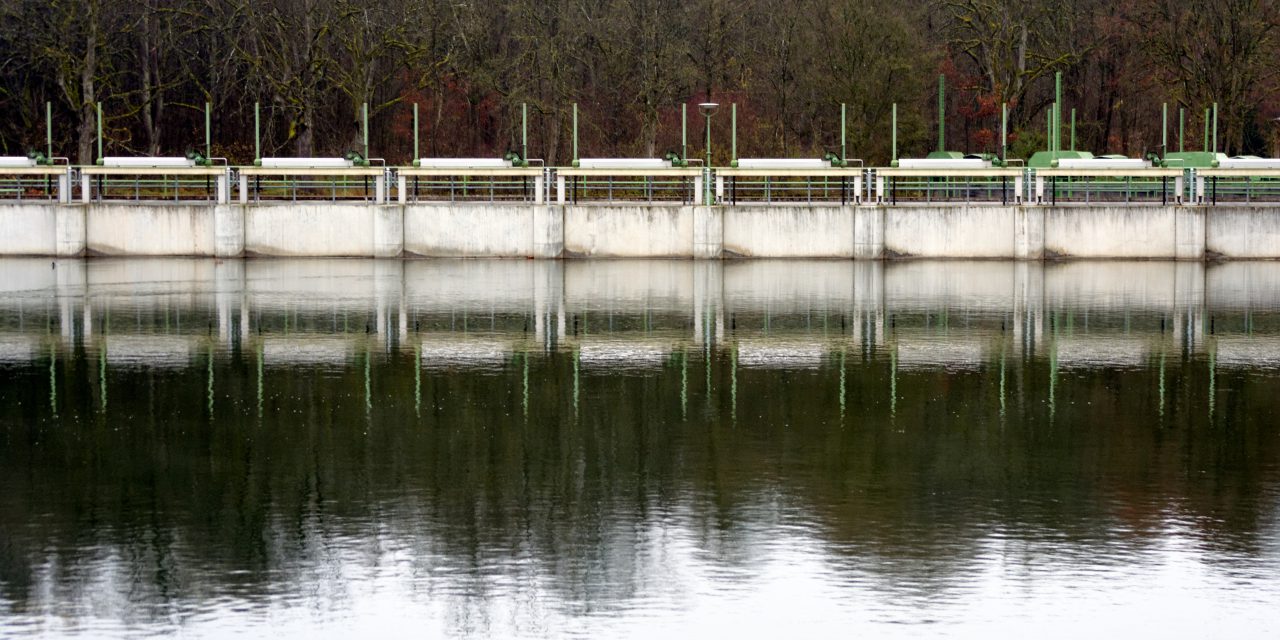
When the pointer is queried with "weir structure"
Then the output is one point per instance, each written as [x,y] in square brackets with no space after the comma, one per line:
[1188,206]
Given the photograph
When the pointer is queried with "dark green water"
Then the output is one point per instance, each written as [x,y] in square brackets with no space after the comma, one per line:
[638,449]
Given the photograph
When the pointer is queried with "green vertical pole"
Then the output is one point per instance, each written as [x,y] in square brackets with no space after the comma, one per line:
[1215,127]
[1182,123]
[208,135]
[1004,131]
[524,132]
[1164,129]
[415,132]
[1057,111]
[257,131]
[1204,142]
[1073,129]
[99,132]
[48,130]
[575,134]
[364,119]
[843,138]
[894,137]
[733,152]
[942,112]
[684,132]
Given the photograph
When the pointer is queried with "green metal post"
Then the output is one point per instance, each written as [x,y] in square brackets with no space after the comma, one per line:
[708,164]
[733,136]
[1164,129]
[843,123]
[257,131]
[1048,128]
[684,132]
[1215,127]
[208,135]
[48,130]
[415,132]
[524,132]
[1004,131]
[364,119]
[942,113]
[575,134]
[1057,111]
[894,138]
[99,132]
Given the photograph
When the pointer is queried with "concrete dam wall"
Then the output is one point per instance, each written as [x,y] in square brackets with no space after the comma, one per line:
[621,230]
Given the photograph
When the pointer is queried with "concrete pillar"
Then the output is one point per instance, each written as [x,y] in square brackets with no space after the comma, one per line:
[85,185]
[71,230]
[1039,199]
[244,189]
[388,231]
[868,232]
[64,187]
[540,189]
[380,189]
[697,190]
[559,189]
[1017,190]
[857,189]
[708,232]
[228,230]
[1028,233]
[719,188]
[224,187]
[402,189]
[1178,190]
[548,230]
[1189,232]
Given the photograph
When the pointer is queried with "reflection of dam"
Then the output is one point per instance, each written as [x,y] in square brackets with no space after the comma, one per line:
[637,314]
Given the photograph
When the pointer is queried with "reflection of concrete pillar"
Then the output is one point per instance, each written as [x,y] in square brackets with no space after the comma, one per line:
[1189,306]
[869,307]
[88,321]
[1028,307]
[708,301]
[548,299]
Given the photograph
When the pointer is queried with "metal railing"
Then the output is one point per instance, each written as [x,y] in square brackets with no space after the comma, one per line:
[984,186]
[505,184]
[1104,186]
[682,185]
[313,184]
[47,182]
[827,185]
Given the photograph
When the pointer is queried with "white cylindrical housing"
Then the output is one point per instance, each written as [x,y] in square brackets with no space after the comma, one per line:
[306,163]
[1103,163]
[15,162]
[943,163]
[147,163]
[623,163]
[782,163]
[1249,163]
[463,163]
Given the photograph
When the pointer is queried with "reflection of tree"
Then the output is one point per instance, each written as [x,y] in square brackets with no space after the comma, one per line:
[195,506]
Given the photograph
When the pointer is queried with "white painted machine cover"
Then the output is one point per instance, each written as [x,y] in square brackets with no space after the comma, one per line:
[782,163]
[623,163]
[147,163]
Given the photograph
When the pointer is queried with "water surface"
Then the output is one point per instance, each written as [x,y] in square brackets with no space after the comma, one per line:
[638,449]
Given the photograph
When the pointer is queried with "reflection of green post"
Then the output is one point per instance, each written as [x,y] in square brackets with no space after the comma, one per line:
[893,381]
[368,398]
[260,353]
[525,396]
[842,382]
[1002,376]
[684,383]
[1161,383]
[733,382]
[53,379]
[209,384]
[417,378]
[102,375]
[1213,378]
[577,384]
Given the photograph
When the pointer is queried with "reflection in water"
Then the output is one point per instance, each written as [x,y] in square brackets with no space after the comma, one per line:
[510,448]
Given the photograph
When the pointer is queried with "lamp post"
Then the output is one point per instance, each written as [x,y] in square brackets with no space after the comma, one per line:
[708,109]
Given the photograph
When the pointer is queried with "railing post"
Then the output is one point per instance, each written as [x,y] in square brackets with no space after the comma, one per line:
[84,187]
[539,187]
[402,188]
[64,187]
[559,189]
[244,189]
[380,188]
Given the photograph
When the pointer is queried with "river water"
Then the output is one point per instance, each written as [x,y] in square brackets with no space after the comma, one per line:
[653,449]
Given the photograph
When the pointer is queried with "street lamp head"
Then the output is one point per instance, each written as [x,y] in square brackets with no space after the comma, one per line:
[708,108]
